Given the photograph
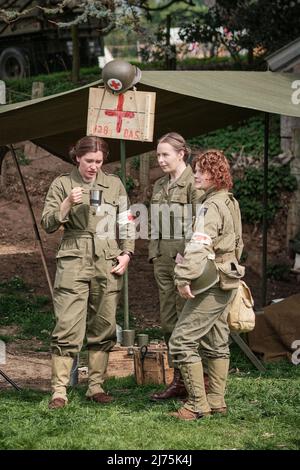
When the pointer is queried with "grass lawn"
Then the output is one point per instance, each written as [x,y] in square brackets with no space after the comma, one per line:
[264,413]
[264,409]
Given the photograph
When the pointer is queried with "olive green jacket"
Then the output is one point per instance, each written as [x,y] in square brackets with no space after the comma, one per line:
[84,220]
[181,195]
[217,235]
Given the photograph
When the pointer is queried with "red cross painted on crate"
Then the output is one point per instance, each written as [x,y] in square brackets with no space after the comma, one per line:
[119,113]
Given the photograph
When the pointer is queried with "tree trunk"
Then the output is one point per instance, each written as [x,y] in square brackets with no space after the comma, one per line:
[102,45]
[250,56]
[170,55]
[76,56]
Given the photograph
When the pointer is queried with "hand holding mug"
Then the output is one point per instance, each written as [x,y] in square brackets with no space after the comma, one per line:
[75,196]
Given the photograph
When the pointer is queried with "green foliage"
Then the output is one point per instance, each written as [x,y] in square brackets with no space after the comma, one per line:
[16,283]
[20,90]
[7,338]
[249,191]
[135,162]
[278,272]
[154,333]
[21,157]
[129,180]
[31,313]
[263,24]
[248,137]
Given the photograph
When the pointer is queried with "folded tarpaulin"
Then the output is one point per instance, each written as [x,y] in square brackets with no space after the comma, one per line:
[277,329]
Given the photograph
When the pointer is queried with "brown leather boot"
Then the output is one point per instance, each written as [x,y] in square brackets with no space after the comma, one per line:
[222,410]
[57,403]
[188,415]
[101,398]
[176,389]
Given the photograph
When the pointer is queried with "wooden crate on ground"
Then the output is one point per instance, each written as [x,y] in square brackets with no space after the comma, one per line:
[151,365]
[120,362]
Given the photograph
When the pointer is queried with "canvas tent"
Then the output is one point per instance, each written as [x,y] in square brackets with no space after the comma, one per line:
[191,103]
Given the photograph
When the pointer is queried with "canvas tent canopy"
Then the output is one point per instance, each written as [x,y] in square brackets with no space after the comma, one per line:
[189,102]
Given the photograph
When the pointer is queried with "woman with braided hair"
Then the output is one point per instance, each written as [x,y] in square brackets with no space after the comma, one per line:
[172,195]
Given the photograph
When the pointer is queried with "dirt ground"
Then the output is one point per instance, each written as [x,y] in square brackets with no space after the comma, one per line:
[19,255]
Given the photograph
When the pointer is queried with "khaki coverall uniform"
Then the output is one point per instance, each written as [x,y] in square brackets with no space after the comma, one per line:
[85,292]
[203,320]
[162,251]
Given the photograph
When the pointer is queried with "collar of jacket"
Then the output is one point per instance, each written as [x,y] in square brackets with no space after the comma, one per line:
[101,179]
[181,181]
[212,192]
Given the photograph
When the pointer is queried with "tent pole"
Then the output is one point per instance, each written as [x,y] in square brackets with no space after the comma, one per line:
[125,277]
[265,212]
[34,224]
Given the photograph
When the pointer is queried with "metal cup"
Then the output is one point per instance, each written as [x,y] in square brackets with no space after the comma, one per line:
[95,197]
[128,337]
[142,340]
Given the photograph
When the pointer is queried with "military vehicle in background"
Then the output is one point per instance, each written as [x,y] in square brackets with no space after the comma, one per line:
[33,44]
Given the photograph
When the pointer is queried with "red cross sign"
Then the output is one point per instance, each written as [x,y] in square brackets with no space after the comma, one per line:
[128,116]
[119,113]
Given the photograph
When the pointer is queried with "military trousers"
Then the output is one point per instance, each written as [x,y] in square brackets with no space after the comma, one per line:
[171,304]
[85,298]
[202,330]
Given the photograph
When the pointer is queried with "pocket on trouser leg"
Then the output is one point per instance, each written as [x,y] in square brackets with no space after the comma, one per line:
[114,283]
[68,267]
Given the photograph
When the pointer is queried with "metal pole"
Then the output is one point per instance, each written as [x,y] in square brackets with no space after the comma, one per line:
[265,212]
[35,227]
[125,277]
[245,348]
[74,372]
[10,381]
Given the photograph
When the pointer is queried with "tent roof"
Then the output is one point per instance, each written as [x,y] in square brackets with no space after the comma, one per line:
[191,103]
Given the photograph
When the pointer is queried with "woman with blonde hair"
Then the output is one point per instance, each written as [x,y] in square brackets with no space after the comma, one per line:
[172,195]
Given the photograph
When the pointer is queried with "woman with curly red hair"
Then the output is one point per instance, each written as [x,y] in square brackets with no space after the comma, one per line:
[207,276]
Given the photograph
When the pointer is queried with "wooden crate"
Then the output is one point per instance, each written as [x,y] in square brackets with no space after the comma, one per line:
[128,115]
[120,363]
[153,367]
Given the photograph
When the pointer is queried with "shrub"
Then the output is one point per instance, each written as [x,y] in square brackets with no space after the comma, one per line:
[248,137]
[249,191]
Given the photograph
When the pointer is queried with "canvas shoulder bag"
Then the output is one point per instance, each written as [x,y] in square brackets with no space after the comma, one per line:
[241,316]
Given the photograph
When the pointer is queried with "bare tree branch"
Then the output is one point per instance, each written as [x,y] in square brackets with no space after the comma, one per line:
[144,6]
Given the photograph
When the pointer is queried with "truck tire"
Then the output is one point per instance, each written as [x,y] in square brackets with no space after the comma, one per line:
[13,64]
